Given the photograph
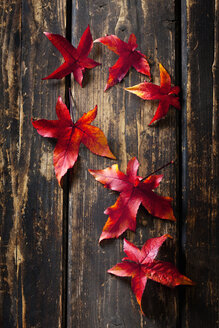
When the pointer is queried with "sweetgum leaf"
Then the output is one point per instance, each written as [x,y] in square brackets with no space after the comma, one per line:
[128,57]
[76,60]
[69,135]
[133,192]
[141,265]
[164,93]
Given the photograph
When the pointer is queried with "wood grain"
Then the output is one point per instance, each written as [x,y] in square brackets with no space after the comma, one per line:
[38,249]
[96,299]
[31,201]
[201,246]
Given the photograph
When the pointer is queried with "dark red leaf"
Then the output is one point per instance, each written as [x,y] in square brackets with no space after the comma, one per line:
[141,265]
[70,135]
[128,57]
[76,60]
[133,192]
[164,93]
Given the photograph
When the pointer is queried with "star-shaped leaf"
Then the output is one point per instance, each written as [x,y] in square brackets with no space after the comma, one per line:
[141,265]
[76,60]
[69,135]
[128,57]
[164,93]
[133,192]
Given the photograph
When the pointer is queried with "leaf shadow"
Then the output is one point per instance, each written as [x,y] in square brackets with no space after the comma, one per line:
[51,141]
[86,78]
[72,173]
[107,242]
[158,301]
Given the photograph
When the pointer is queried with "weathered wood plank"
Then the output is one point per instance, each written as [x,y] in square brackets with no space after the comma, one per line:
[96,299]
[10,71]
[31,202]
[202,167]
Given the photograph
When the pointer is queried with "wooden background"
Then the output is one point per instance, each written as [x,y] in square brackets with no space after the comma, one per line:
[53,272]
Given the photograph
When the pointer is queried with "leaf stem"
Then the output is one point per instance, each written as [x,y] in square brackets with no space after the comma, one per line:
[162,167]
[71,104]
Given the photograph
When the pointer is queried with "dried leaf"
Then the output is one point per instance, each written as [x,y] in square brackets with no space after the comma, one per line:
[69,135]
[76,60]
[164,93]
[128,57]
[133,192]
[141,265]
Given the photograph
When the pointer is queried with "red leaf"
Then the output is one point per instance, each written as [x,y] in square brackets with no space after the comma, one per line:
[76,60]
[133,192]
[128,57]
[70,135]
[143,266]
[164,93]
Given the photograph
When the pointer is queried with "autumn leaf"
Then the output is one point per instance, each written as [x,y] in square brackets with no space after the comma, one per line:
[76,60]
[141,265]
[164,93]
[128,57]
[69,135]
[133,192]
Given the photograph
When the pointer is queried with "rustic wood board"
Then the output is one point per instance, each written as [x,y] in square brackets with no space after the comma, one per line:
[53,271]
[95,298]
[31,201]
[202,187]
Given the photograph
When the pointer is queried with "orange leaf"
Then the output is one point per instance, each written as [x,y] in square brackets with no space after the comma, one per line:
[164,93]
[69,135]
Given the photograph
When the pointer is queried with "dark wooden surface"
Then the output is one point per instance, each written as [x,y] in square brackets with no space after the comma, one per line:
[53,272]
[31,201]
[97,299]
[201,170]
